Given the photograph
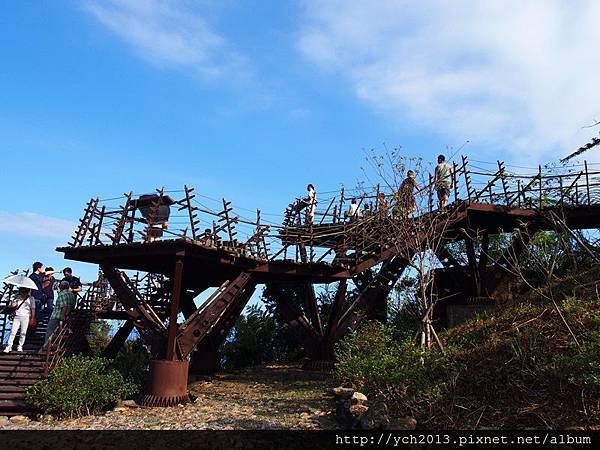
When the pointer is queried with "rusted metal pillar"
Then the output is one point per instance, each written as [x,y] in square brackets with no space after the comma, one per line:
[168,381]
[172,331]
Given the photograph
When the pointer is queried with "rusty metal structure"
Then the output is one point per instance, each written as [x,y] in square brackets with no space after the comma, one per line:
[219,251]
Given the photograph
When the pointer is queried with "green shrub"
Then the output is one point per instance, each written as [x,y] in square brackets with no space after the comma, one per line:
[132,362]
[79,385]
[376,362]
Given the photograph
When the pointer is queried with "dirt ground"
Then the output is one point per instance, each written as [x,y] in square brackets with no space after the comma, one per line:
[271,397]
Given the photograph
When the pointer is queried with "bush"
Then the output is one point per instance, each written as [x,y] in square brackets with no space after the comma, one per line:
[78,386]
[375,361]
[132,362]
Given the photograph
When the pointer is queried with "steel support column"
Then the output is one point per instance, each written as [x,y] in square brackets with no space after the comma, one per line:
[172,331]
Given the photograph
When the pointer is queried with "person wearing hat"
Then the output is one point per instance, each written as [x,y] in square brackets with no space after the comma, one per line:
[25,308]
[65,302]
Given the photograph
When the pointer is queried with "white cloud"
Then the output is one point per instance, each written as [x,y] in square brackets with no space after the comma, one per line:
[516,75]
[169,33]
[36,225]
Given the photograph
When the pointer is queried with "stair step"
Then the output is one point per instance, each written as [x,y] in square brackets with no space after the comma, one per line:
[12,396]
[25,382]
[5,376]
[8,389]
[22,356]
[20,369]
[20,363]
[14,405]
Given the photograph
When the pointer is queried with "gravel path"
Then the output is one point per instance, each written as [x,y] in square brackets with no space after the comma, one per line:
[272,397]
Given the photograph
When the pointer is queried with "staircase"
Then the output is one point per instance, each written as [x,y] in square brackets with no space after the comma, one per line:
[19,370]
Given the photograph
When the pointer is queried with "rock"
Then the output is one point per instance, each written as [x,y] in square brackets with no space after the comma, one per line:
[120,409]
[19,419]
[342,392]
[375,418]
[358,398]
[358,410]
[3,420]
[403,423]
[129,404]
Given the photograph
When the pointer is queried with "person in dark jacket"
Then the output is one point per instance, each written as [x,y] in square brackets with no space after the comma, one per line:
[37,276]
[74,282]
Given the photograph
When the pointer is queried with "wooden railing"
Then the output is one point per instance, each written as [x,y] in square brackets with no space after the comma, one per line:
[106,223]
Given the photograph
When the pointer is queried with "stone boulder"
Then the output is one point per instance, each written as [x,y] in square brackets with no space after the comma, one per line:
[358,398]
[375,418]
[342,392]
[357,411]
[19,419]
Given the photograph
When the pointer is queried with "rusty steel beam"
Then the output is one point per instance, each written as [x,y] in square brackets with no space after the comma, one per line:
[200,324]
[334,318]
[118,340]
[149,326]
[295,318]
[369,301]
[172,331]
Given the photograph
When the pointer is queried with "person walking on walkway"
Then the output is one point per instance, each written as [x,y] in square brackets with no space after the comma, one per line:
[442,179]
[48,288]
[37,276]
[65,302]
[312,203]
[405,200]
[25,305]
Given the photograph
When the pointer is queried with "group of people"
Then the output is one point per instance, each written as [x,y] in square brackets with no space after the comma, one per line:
[404,203]
[29,304]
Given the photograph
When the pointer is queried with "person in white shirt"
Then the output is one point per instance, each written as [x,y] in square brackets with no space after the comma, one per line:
[312,203]
[353,213]
[25,305]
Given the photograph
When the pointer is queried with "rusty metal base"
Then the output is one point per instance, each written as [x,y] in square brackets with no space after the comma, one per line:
[313,365]
[168,383]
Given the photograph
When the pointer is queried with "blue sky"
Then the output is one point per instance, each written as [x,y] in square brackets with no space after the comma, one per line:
[253,100]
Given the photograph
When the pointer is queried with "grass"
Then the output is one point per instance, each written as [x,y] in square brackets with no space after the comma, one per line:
[517,369]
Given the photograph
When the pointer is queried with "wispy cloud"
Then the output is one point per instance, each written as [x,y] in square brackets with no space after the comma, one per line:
[36,225]
[517,75]
[169,33]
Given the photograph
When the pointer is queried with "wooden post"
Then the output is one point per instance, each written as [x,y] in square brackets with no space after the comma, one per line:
[540,187]
[454,181]
[560,184]
[430,193]
[467,180]
[341,208]
[501,170]
[100,220]
[131,227]
[587,182]
[172,332]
